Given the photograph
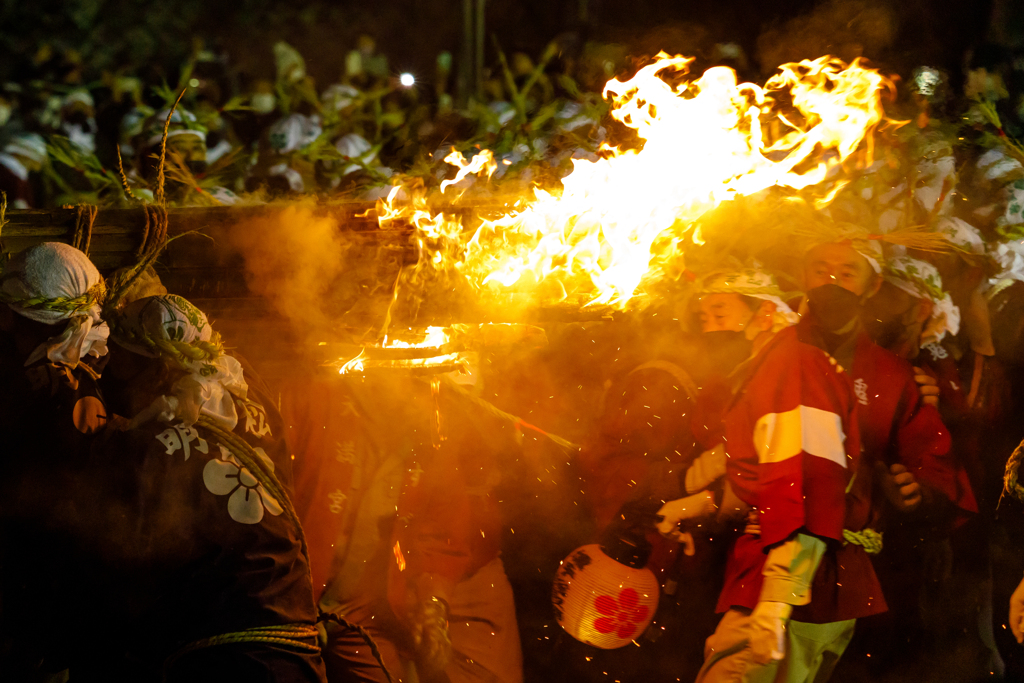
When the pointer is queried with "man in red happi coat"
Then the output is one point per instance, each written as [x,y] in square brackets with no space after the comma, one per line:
[792,588]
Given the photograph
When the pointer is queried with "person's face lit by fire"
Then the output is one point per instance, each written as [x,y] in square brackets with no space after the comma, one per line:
[724,312]
[840,264]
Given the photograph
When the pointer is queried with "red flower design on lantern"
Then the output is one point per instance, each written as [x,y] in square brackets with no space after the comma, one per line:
[623,614]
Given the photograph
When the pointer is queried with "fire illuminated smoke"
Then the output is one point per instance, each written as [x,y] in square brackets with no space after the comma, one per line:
[617,219]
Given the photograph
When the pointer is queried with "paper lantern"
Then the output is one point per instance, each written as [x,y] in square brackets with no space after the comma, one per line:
[602,601]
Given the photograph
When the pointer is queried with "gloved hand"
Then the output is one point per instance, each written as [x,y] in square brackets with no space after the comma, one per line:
[1017,612]
[768,631]
[430,634]
[675,511]
[705,470]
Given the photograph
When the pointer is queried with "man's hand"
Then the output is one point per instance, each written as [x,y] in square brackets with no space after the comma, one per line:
[1017,612]
[768,631]
[676,511]
[900,487]
[928,387]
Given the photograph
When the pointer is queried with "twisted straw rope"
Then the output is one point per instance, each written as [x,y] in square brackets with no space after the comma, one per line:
[869,539]
[85,218]
[248,458]
[60,304]
[1011,484]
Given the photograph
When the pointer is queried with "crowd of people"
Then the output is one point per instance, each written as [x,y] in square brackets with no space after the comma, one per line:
[283,135]
[820,426]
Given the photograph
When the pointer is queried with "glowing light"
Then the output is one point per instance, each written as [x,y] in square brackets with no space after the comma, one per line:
[354,365]
[622,220]
[407,80]
[433,337]
[399,557]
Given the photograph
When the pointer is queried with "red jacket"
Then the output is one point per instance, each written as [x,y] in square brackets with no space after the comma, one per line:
[896,427]
[793,445]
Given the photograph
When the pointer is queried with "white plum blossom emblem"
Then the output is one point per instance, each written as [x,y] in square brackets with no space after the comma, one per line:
[247,499]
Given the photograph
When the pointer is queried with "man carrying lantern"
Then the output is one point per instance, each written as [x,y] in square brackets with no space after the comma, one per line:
[790,448]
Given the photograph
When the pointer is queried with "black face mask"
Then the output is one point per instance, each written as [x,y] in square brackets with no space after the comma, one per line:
[196,166]
[725,349]
[833,307]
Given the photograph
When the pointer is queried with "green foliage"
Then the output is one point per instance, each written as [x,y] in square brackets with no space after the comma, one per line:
[90,182]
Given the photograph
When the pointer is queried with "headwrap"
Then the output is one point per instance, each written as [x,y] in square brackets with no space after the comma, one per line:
[357,148]
[28,145]
[132,123]
[339,96]
[183,122]
[171,328]
[80,97]
[930,83]
[293,132]
[54,283]
[871,250]
[921,280]
[291,67]
[962,235]
[755,283]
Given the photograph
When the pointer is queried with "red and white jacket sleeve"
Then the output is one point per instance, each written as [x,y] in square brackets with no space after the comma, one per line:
[799,411]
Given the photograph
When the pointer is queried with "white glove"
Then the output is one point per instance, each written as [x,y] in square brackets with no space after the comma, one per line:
[1017,612]
[768,631]
[675,511]
[708,468]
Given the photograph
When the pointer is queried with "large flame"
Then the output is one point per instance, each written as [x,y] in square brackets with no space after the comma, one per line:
[703,142]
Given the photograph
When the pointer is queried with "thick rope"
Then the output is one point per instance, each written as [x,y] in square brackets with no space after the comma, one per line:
[348,625]
[1011,484]
[249,459]
[294,636]
[60,304]
[183,354]
[143,243]
[85,218]
[154,240]
[869,539]
[154,233]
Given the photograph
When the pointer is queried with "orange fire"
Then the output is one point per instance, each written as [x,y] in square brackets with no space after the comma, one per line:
[430,340]
[616,220]
[432,337]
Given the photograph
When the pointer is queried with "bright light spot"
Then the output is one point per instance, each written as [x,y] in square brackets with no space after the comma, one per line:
[194,83]
[407,80]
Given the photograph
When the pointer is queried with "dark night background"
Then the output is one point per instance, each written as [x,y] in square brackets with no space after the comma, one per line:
[45,38]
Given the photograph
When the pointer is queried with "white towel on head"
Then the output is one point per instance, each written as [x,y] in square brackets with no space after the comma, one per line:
[209,387]
[56,270]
